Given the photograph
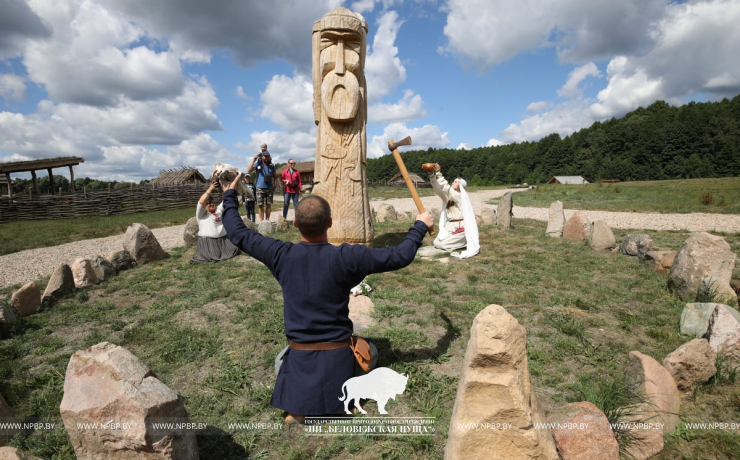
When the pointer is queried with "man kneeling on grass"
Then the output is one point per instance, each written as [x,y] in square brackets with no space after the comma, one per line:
[316,278]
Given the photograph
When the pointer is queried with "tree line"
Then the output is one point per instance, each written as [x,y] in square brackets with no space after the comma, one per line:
[22,186]
[696,140]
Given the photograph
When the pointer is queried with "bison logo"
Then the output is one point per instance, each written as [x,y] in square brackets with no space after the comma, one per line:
[380,384]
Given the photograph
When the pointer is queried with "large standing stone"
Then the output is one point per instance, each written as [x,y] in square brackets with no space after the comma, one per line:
[190,232]
[27,299]
[723,333]
[121,260]
[488,215]
[103,269]
[658,386]
[282,224]
[601,237]
[695,318]
[83,273]
[575,442]
[386,213]
[505,211]
[7,416]
[556,220]
[636,245]
[495,388]
[11,453]
[106,384]
[143,246]
[701,256]
[62,281]
[691,363]
[577,228]
[7,314]
[248,222]
[360,309]
[265,227]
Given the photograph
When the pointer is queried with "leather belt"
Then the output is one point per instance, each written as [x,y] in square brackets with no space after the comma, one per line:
[319,346]
[458,220]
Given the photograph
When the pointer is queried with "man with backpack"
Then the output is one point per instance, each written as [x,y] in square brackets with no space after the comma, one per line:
[291,180]
[266,181]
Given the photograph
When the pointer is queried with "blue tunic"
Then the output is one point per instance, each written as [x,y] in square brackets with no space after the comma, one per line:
[316,279]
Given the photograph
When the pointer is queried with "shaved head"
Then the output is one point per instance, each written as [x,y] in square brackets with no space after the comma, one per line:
[312,216]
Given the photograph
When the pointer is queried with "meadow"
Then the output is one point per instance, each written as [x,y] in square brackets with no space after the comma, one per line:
[211,332]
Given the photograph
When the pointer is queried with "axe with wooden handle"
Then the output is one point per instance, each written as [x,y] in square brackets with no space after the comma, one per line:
[393,147]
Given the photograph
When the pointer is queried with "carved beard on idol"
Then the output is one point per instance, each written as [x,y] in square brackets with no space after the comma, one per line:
[340,88]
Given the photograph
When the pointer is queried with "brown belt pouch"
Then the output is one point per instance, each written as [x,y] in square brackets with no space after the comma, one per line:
[361,349]
[320,346]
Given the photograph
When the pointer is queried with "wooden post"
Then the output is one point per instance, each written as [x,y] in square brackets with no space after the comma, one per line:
[108,187]
[51,181]
[60,191]
[35,184]
[71,180]
[10,185]
[30,194]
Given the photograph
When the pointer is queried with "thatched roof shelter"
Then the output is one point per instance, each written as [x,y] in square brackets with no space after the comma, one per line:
[35,165]
[398,179]
[179,177]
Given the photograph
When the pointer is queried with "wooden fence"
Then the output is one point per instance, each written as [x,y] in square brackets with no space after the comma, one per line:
[100,202]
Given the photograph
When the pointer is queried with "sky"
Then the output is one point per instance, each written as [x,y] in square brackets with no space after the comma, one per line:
[139,86]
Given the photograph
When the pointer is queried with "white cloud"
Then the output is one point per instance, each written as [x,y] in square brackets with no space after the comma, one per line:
[488,32]
[493,142]
[575,77]
[241,94]
[12,87]
[18,24]
[537,107]
[626,90]
[189,55]
[564,119]
[282,145]
[465,146]
[422,138]
[288,102]
[383,69]
[409,108]
[363,6]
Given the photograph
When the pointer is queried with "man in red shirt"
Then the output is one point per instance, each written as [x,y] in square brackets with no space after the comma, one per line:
[291,180]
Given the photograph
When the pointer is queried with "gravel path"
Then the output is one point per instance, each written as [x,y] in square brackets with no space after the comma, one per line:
[24,266]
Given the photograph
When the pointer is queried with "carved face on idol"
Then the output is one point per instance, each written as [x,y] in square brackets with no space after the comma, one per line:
[340,71]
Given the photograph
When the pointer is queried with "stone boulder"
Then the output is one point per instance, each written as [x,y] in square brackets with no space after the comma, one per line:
[360,309]
[699,257]
[143,246]
[386,213]
[695,318]
[109,385]
[282,224]
[402,217]
[653,258]
[62,281]
[429,252]
[83,273]
[657,384]
[668,259]
[27,299]
[495,388]
[723,333]
[121,260]
[691,363]
[190,232]
[8,314]
[103,269]
[248,222]
[435,212]
[577,228]
[488,215]
[556,220]
[11,453]
[597,441]
[505,211]
[7,416]
[601,237]
[264,228]
[636,245]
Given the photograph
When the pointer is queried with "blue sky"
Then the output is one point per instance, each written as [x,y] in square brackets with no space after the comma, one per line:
[135,86]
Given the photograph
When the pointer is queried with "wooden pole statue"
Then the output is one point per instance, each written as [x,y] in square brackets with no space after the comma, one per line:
[340,112]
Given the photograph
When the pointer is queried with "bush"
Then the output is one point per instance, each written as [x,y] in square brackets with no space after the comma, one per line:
[706,198]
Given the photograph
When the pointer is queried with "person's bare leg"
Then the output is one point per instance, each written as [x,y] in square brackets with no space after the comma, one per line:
[268,208]
[262,212]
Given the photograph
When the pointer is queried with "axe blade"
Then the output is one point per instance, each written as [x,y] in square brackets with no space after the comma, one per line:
[394,145]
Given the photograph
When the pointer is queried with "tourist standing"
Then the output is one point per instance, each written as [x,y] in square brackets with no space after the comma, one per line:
[249,202]
[266,181]
[291,180]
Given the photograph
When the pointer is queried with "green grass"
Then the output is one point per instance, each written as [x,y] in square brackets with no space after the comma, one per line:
[721,196]
[211,332]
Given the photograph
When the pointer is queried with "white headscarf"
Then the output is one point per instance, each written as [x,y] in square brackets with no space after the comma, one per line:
[469,223]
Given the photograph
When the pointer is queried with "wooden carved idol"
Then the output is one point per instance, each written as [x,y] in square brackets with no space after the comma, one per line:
[340,111]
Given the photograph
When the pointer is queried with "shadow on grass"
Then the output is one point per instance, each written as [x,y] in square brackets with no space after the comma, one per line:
[387,355]
[388,240]
[213,442]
